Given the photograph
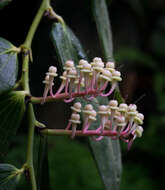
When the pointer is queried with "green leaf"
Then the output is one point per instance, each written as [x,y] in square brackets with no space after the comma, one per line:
[109,163]
[62,43]
[12,109]
[8,65]
[43,169]
[103,26]
[3,3]
[9,176]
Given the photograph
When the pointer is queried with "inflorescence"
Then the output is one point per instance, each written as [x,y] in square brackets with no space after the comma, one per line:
[119,121]
[91,79]
[85,77]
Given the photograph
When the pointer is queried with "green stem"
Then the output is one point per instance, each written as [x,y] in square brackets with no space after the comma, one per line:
[25,73]
[29,156]
[44,6]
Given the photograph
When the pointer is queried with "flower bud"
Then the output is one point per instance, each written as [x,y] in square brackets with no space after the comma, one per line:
[113,104]
[116,75]
[76,107]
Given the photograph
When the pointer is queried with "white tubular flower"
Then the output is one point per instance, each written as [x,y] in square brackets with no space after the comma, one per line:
[80,67]
[71,77]
[69,65]
[132,112]
[86,70]
[46,90]
[138,120]
[113,107]
[137,133]
[52,72]
[123,109]
[120,124]
[81,63]
[75,120]
[104,78]
[62,86]
[103,112]
[116,77]
[97,66]
[89,117]
[76,107]
[110,66]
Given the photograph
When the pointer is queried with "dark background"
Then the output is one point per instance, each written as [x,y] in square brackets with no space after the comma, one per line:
[138,28]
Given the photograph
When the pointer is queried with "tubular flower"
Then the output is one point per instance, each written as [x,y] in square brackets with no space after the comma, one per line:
[76,108]
[75,120]
[62,86]
[89,117]
[116,77]
[97,66]
[49,78]
[103,112]
[80,67]
[72,75]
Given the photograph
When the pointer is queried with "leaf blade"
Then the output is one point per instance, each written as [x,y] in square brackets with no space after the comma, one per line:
[12,109]
[8,66]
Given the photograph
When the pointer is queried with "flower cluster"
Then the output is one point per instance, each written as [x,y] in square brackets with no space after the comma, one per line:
[85,77]
[117,121]
[90,80]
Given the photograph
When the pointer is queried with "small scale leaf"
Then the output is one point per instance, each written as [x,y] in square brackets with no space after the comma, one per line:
[9,176]
[12,109]
[8,65]
[4,3]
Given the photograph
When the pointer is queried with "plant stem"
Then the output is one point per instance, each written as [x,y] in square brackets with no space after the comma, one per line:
[62,96]
[29,156]
[25,73]
[44,6]
[25,85]
[61,132]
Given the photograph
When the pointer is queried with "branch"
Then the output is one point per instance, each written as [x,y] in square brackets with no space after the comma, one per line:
[61,132]
[62,96]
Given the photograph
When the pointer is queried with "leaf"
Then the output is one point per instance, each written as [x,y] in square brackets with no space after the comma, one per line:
[62,43]
[8,65]
[100,13]
[9,176]
[107,153]
[3,3]
[43,169]
[12,109]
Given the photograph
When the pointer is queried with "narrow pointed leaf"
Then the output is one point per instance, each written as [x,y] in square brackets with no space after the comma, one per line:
[12,109]
[8,65]
[111,180]
[62,43]
[9,177]
[100,13]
